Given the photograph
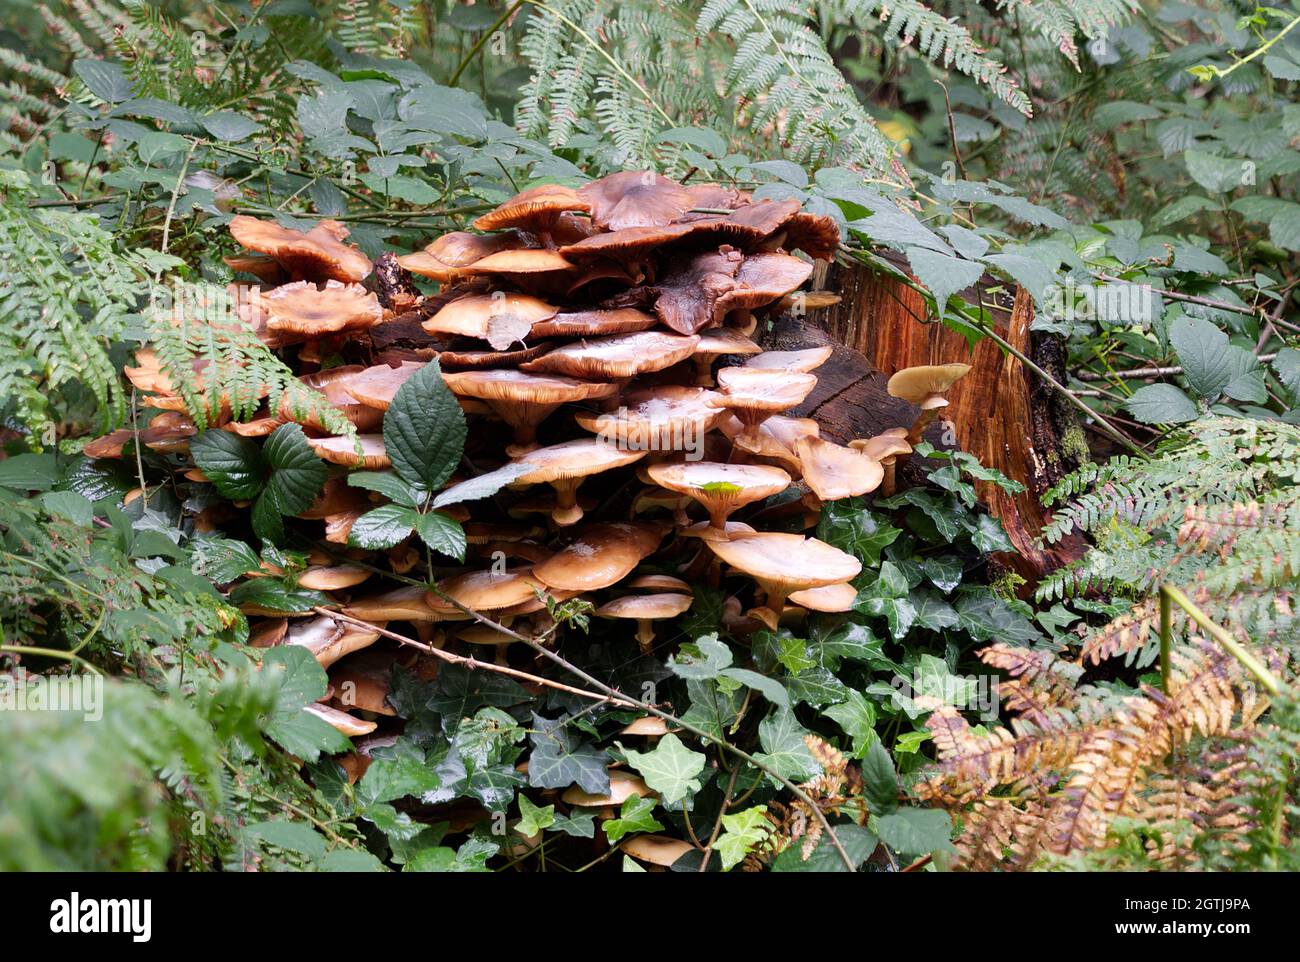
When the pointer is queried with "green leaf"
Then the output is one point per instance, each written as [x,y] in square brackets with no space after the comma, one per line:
[986,616]
[577,824]
[1284,228]
[383,527]
[230,127]
[769,687]
[533,819]
[424,429]
[104,78]
[291,836]
[1216,174]
[671,769]
[857,842]
[482,486]
[442,533]
[388,484]
[561,759]
[706,657]
[70,505]
[636,815]
[784,751]
[1286,365]
[943,275]
[879,780]
[915,831]
[232,463]
[271,594]
[1161,404]
[743,832]
[1203,350]
[297,474]
[302,682]
[857,717]
[29,472]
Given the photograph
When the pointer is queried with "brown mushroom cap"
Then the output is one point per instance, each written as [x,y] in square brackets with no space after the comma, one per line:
[305,310]
[599,556]
[342,450]
[800,362]
[485,590]
[524,400]
[317,254]
[536,207]
[834,472]
[400,604]
[725,340]
[659,583]
[817,235]
[333,384]
[563,466]
[688,298]
[333,577]
[764,278]
[755,393]
[483,359]
[782,563]
[364,682]
[622,786]
[635,199]
[884,447]
[470,315]
[647,725]
[626,244]
[838,597]
[652,607]
[341,720]
[595,323]
[520,261]
[667,418]
[376,386]
[720,488]
[925,385]
[656,849]
[460,248]
[256,428]
[618,356]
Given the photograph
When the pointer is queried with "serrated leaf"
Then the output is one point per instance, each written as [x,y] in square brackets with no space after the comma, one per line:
[858,843]
[104,78]
[442,533]
[671,769]
[1161,404]
[233,464]
[424,429]
[383,527]
[1203,351]
[386,483]
[943,275]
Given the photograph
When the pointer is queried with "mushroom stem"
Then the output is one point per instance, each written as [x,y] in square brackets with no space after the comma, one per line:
[919,425]
[566,511]
[645,635]
[501,654]
[703,370]
[887,484]
[524,419]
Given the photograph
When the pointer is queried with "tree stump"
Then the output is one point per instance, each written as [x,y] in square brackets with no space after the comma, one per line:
[1001,411]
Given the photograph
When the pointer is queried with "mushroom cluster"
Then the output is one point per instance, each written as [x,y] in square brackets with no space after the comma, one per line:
[599,341]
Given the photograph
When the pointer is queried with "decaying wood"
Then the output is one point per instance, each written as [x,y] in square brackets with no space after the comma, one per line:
[1000,412]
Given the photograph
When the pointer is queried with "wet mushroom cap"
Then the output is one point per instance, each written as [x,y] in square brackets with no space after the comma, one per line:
[303,309]
[923,385]
[485,590]
[711,483]
[627,243]
[651,725]
[688,297]
[884,447]
[817,235]
[790,560]
[487,359]
[574,459]
[659,583]
[635,199]
[759,389]
[406,603]
[837,597]
[617,356]
[520,261]
[342,450]
[376,386]
[646,607]
[665,418]
[535,207]
[341,721]
[460,248]
[524,387]
[319,252]
[725,340]
[625,320]
[656,849]
[764,278]
[622,786]
[469,316]
[599,556]
[333,577]
[834,472]
[799,362]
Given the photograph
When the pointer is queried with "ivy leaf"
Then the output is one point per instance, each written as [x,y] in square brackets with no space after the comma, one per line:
[383,527]
[442,533]
[424,429]
[944,571]
[770,688]
[857,717]
[986,616]
[706,657]
[1203,351]
[1161,404]
[915,831]
[576,823]
[302,682]
[233,464]
[560,759]
[636,815]
[670,769]
[742,833]
[711,708]
[784,751]
[532,818]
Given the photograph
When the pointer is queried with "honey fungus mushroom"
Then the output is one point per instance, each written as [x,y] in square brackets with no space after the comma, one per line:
[600,555]
[658,851]
[782,563]
[565,466]
[646,609]
[925,387]
[472,315]
[537,210]
[524,400]
[834,472]
[302,310]
[619,357]
[668,418]
[622,786]
[721,489]
[755,394]
[716,343]
[317,254]
[885,448]
[635,198]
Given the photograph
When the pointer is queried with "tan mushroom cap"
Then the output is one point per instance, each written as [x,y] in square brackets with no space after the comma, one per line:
[268,633]
[618,356]
[333,577]
[622,786]
[600,555]
[265,268]
[624,320]
[837,597]
[775,438]
[563,466]
[364,682]
[659,583]
[485,590]
[376,386]
[328,640]
[341,721]
[782,563]
[628,243]
[305,310]
[667,418]
[760,219]
[925,385]
[808,301]
[800,362]
[333,384]
[477,634]
[536,207]
[651,607]
[406,603]
[834,472]
[489,358]
[720,488]
[725,340]
[460,248]
[318,253]
[706,530]
[656,849]
[520,261]
[884,447]
[689,294]
[635,199]
[425,264]
[764,278]
[524,400]
[342,450]
[469,316]
[755,394]
[651,726]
